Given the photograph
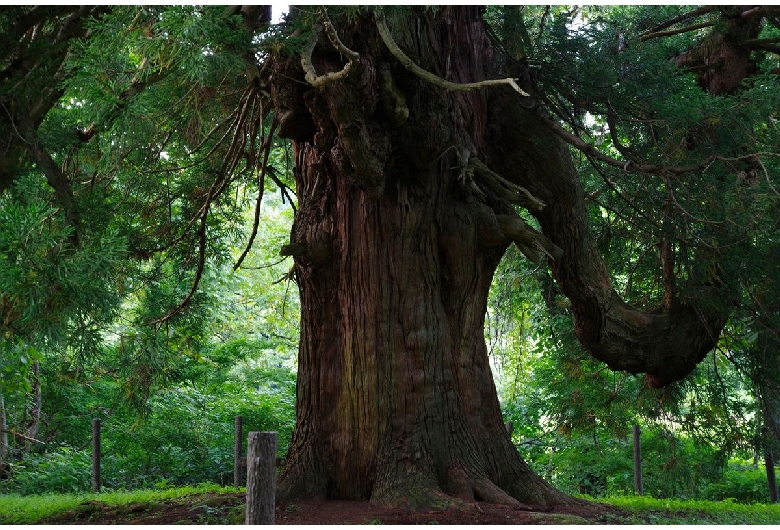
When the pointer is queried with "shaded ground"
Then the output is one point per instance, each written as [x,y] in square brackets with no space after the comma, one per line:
[229,509]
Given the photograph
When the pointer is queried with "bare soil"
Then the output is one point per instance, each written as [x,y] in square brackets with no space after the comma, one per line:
[229,509]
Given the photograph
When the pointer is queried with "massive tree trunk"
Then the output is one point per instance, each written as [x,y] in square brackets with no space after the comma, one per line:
[406,205]
[396,401]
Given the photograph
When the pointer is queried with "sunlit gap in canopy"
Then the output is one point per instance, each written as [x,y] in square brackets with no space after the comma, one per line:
[278,11]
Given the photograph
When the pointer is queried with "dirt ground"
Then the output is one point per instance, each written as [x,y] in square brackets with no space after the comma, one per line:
[229,509]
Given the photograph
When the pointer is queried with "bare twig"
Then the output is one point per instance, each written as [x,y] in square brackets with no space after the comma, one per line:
[22,436]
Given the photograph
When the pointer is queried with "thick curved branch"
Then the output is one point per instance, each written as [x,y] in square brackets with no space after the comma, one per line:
[387,37]
[771,48]
[670,32]
[758,42]
[54,175]
[672,21]
[666,345]
[501,187]
[23,58]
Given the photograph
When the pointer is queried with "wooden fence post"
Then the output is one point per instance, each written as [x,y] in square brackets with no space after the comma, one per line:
[637,461]
[261,478]
[95,454]
[238,453]
[769,464]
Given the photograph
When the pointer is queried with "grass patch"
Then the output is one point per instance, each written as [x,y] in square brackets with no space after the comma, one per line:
[647,510]
[27,509]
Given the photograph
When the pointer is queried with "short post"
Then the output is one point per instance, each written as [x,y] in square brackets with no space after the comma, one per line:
[261,478]
[637,462]
[238,452]
[95,454]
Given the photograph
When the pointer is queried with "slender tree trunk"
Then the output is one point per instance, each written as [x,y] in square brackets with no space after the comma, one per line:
[638,488]
[396,401]
[767,378]
[34,410]
[769,464]
[4,448]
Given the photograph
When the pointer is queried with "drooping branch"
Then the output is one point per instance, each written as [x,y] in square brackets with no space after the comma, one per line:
[198,273]
[260,187]
[630,166]
[410,65]
[247,125]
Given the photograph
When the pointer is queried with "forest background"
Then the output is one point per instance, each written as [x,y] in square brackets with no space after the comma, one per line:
[81,345]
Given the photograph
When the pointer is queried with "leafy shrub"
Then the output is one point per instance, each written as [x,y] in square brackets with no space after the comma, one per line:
[601,464]
[746,485]
[188,436]
[63,470]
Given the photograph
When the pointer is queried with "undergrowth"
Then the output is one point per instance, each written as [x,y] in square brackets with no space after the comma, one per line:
[647,510]
[28,509]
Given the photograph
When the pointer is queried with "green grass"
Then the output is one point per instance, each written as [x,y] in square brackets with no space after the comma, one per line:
[27,509]
[646,510]
[18,509]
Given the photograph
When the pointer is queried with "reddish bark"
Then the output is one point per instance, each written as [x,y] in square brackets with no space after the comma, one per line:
[723,60]
[395,246]
[396,400]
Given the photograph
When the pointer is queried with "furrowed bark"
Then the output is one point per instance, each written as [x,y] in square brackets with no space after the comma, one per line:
[396,246]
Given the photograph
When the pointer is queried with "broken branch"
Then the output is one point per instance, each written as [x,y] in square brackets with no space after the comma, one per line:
[410,65]
[501,187]
[311,74]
